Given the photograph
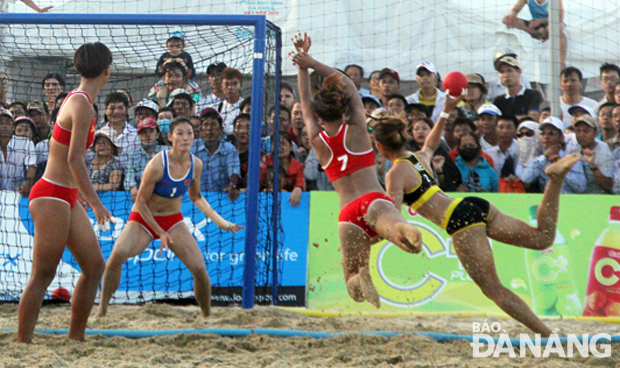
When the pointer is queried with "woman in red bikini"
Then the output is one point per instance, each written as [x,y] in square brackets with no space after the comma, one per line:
[337,129]
[58,222]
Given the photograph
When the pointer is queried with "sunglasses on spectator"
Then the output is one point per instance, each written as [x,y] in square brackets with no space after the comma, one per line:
[527,133]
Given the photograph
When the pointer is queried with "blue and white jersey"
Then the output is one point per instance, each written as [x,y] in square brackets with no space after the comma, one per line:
[168,187]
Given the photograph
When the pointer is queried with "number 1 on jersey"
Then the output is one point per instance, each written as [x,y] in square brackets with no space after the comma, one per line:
[174,190]
[345,160]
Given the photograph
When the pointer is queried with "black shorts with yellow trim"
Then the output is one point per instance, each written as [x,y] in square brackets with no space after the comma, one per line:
[465,213]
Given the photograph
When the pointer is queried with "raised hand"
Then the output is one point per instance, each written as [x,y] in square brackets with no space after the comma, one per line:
[302,44]
[302,60]
[453,102]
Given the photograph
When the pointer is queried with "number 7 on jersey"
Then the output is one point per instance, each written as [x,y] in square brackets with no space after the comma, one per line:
[345,160]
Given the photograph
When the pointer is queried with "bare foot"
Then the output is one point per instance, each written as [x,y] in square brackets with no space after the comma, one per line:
[560,168]
[411,237]
[368,288]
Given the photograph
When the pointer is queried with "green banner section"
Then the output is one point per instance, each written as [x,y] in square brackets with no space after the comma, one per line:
[553,281]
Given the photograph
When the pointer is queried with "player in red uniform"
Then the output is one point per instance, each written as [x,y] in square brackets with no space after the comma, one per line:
[57,220]
[337,129]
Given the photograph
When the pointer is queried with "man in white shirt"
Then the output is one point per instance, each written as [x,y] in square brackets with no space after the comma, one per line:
[610,76]
[232,82]
[506,154]
[428,94]
[570,83]
[18,160]
[487,123]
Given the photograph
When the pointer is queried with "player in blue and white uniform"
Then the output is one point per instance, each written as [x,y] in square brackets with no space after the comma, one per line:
[156,214]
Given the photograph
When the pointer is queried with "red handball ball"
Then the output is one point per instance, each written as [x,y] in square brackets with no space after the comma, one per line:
[456,82]
[61,294]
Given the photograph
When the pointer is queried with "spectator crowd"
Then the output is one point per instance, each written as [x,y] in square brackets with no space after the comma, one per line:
[500,139]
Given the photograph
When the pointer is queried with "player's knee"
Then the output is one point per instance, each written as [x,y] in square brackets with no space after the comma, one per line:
[43,276]
[95,269]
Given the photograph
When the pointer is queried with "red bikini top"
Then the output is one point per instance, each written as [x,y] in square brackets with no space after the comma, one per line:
[62,135]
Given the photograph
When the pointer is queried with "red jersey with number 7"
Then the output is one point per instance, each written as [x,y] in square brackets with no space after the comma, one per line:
[344,162]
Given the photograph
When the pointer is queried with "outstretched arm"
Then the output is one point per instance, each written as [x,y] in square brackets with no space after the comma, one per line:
[34,6]
[196,197]
[434,137]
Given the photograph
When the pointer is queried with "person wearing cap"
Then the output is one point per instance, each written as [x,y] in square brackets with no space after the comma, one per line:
[475,97]
[356,73]
[38,112]
[221,172]
[175,76]
[528,142]
[610,77]
[18,160]
[538,27]
[428,94]
[552,141]
[214,75]
[146,109]
[389,83]
[487,125]
[148,131]
[106,172]
[182,103]
[571,83]
[518,100]
[496,88]
[24,127]
[232,83]
[598,160]
[371,103]
[126,136]
[175,46]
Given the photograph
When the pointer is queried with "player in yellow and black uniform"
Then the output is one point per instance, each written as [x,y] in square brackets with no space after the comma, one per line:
[470,220]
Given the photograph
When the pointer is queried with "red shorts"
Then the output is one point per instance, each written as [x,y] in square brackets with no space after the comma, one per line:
[354,212]
[166,222]
[47,189]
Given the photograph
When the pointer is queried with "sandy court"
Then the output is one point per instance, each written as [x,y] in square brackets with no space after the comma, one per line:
[205,350]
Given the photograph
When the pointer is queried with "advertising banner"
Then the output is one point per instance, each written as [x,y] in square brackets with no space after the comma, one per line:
[552,281]
[150,275]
